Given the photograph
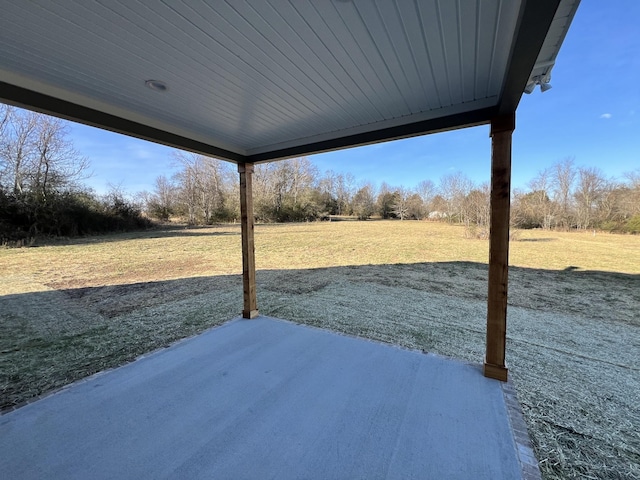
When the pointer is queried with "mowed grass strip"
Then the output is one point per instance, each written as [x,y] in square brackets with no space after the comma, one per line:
[343,243]
[70,309]
[184,253]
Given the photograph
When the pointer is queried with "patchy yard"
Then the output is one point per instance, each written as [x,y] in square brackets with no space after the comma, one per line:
[70,309]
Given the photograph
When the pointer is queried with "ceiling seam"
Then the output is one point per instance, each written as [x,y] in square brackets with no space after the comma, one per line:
[426,46]
[363,54]
[444,49]
[293,49]
[312,67]
[494,44]
[371,106]
[293,103]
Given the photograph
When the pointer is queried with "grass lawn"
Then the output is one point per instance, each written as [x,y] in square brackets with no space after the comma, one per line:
[70,309]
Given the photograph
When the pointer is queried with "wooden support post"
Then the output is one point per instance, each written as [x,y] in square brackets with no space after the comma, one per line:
[501,132]
[250,309]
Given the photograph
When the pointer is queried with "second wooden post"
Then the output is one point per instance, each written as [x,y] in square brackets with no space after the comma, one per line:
[250,309]
[501,132]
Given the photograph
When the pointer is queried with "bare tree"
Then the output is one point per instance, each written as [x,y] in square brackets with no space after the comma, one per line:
[612,205]
[477,208]
[633,178]
[287,190]
[633,185]
[534,208]
[18,148]
[427,191]
[400,207]
[5,112]
[416,207]
[542,207]
[161,204]
[57,164]
[166,191]
[454,188]
[36,158]
[408,204]
[293,179]
[345,187]
[590,190]
[202,184]
[303,176]
[187,179]
[563,175]
[364,202]
[327,193]
[386,201]
[438,208]
[263,186]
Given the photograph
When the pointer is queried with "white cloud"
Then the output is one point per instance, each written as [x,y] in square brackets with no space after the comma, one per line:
[606,116]
[140,151]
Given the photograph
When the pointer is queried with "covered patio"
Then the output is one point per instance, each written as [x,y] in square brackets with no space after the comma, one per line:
[260,81]
[268,398]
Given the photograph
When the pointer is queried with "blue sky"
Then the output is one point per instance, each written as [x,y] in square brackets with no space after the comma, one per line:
[592,114]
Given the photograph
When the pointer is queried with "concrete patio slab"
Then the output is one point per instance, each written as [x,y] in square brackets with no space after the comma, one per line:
[266,398]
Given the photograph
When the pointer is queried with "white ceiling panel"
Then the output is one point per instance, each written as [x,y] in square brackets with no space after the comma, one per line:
[260,79]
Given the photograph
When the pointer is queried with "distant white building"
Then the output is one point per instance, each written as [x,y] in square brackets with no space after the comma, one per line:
[436,215]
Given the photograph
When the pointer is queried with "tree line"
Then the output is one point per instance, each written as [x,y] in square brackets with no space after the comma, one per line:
[564,196]
[567,196]
[41,190]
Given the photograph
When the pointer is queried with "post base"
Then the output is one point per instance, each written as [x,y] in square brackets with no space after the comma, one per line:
[250,313]
[498,372]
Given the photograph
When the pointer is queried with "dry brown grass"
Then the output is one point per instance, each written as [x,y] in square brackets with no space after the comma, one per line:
[69,309]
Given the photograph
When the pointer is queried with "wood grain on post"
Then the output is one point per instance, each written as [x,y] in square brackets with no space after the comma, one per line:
[501,133]
[250,309]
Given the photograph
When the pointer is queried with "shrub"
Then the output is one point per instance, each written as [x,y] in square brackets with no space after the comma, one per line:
[65,214]
[633,224]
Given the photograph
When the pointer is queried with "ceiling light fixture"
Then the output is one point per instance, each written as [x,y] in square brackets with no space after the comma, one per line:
[156,85]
